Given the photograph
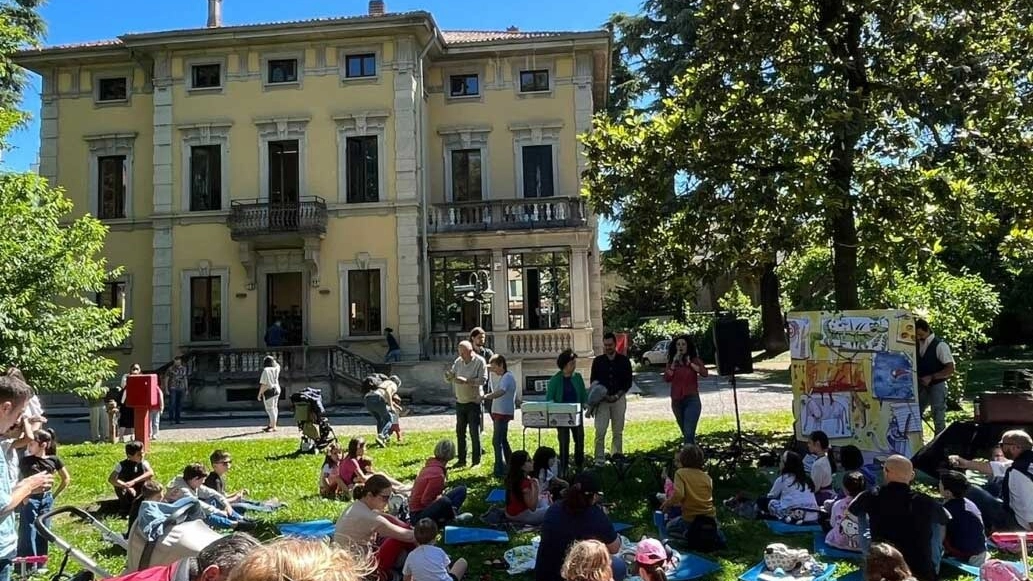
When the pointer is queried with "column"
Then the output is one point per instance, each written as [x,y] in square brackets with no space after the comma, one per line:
[407,197]
[595,296]
[500,302]
[161,280]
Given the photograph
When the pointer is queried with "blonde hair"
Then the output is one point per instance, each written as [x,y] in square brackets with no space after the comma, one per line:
[302,560]
[587,561]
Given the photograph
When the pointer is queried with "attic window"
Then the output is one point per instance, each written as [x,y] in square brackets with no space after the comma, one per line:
[112,89]
[283,71]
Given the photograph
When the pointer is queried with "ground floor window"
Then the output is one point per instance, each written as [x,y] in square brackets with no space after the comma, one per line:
[539,290]
[453,309]
[364,308]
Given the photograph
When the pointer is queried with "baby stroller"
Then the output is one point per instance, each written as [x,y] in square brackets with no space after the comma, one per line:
[309,413]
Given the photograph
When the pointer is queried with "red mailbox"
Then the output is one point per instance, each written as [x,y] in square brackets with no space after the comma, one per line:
[143,394]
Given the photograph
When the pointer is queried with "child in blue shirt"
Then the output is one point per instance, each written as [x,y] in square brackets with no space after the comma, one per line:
[965,538]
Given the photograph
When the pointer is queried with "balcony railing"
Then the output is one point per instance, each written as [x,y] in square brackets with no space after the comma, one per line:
[251,218]
[446,345]
[521,214]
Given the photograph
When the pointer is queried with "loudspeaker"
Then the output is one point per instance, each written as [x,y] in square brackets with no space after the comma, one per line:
[732,341]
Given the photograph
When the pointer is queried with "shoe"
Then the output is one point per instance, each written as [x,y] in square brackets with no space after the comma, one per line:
[463,517]
[382,442]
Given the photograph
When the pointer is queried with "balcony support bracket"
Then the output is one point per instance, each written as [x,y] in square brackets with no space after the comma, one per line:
[248,259]
[312,247]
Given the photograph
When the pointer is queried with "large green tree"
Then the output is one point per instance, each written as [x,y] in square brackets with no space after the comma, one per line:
[50,326]
[877,127]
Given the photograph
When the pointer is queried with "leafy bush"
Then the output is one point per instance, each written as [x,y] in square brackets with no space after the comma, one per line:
[648,333]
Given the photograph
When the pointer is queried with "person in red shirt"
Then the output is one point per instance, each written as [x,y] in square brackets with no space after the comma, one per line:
[684,368]
[428,498]
[523,493]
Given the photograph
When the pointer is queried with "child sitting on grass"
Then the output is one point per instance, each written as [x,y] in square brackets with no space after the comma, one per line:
[545,464]
[330,484]
[428,562]
[128,476]
[791,498]
[823,466]
[845,532]
[588,561]
[216,480]
[696,522]
[218,512]
[524,502]
[965,537]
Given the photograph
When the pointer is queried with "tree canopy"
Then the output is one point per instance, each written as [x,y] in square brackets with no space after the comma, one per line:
[882,129]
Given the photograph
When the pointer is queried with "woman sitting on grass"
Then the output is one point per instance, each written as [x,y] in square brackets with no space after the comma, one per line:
[428,498]
[365,526]
[356,468]
[523,496]
[791,497]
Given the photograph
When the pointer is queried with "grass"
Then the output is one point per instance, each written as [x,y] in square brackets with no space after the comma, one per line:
[268,469]
[985,373]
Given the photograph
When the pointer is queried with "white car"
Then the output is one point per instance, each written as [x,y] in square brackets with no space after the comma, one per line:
[657,355]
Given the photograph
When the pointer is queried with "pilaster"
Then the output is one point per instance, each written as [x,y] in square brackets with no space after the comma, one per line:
[580,294]
[595,298]
[583,107]
[500,302]
[161,300]
[407,190]
[48,128]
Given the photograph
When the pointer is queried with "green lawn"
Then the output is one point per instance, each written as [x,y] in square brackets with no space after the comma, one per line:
[268,469]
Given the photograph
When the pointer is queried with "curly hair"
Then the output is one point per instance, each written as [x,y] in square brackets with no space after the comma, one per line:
[587,561]
[302,560]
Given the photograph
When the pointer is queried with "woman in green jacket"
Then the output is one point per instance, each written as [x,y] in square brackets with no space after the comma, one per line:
[567,386]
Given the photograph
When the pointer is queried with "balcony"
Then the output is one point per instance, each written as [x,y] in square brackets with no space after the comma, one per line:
[518,214]
[251,219]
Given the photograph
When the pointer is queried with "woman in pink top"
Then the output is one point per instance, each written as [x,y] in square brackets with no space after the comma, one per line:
[684,368]
[429,498]
[356,468]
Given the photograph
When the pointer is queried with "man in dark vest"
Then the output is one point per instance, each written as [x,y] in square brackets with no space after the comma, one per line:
[935,365]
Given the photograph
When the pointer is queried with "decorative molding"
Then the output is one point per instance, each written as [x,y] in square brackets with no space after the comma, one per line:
[448,70]
[343,52]
[371,123]
[533,63]
[298,56]
[126,73]
[188,73]
[248,259]
[312,253]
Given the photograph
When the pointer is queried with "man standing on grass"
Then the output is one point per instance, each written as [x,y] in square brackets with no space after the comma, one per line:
[14,394]
[613,370]
[477,339]
[467,375]
[935,366]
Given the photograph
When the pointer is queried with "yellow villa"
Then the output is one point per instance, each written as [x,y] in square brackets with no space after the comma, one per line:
[341,177]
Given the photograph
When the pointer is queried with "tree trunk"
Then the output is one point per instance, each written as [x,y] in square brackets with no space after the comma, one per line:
[774,332]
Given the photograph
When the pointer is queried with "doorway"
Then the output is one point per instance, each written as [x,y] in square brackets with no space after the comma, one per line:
[285,301]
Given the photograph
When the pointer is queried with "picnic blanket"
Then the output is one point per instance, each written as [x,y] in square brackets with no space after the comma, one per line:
[857,575]
[828,551]
[755,573]
[470,535]
[780,528]
[313,529]
[690,566]
[497,496]
[522,559]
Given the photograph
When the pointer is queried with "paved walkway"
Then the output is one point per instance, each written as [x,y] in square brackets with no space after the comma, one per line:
[652,403]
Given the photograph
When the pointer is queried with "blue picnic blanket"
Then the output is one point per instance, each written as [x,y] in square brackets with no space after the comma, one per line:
[470,535]
[828,551]
[497,496]
[313,529]
[754,573]
[689,567]
[780,528]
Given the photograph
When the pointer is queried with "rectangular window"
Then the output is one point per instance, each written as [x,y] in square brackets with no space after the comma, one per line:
[205,178]
[538,178]
[208,76]
[283,71]
[363,170]
[364,302]
[205,308]
[544,300]
[464,86]
[452,309]
[284,172]
[360,65]
[113,89]
[111,188]
[113,296]
[535,81]
[466,175]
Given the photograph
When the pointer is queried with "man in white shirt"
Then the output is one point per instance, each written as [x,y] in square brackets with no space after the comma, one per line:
[468,375]
[1013,511]
[935,364]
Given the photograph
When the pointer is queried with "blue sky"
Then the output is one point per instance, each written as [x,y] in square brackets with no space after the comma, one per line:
[70,21]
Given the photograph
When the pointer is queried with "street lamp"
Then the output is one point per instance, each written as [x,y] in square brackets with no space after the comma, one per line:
[478,288]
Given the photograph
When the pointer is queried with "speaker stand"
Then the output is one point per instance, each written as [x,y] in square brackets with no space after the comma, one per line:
[737,450]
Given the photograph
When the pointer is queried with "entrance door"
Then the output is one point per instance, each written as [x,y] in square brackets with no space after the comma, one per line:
[285,301]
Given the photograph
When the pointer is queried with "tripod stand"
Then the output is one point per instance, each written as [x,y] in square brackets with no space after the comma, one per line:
[737,450]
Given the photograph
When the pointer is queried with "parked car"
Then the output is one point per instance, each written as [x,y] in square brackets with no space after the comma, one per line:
[657,355]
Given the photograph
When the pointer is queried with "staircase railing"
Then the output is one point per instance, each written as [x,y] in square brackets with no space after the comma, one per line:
[353,367]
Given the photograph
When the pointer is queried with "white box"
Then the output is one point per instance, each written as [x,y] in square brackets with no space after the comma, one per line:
[534,414]
[564,415]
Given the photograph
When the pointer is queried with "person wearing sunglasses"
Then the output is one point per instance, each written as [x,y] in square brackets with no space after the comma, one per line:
[365,525]
[1012,509]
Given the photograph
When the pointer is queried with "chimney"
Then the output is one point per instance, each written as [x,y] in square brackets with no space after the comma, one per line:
[214,13]
[512,29]
[376,7]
